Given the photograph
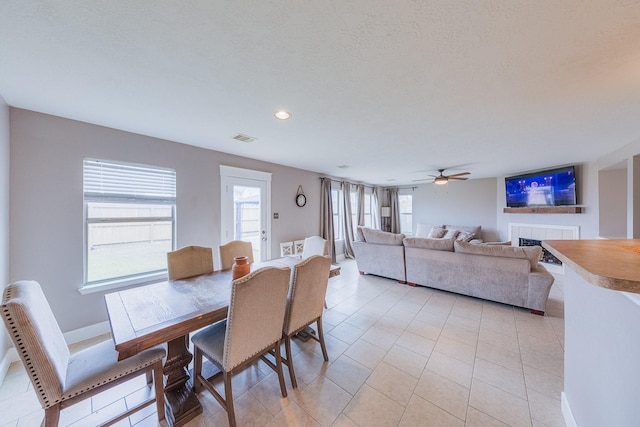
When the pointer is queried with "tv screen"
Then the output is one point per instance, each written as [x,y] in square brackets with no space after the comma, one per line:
[555,187]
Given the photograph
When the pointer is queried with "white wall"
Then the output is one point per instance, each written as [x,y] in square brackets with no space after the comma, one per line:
[46,201]
[470,202]
[4,223]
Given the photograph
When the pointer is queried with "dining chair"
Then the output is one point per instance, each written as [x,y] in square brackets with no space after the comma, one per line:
[314,245]
[189,261]
[286,249]
[233,249]
[61,379]
[305,304]
[252,328]
[298,247]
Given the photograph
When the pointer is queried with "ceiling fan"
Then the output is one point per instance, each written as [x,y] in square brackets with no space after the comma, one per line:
[443,179]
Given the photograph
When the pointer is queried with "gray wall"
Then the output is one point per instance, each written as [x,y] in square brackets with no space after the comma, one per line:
[586,193]
[612,187]
[470,202]
[46,201]
[4,217]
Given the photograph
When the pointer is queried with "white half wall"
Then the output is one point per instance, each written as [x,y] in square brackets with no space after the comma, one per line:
[4,225]
[46,201]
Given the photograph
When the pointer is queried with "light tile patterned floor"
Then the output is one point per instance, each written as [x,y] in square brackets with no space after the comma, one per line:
[399,356]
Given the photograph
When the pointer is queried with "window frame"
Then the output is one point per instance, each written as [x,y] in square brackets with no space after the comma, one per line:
[89,197]
[407,233]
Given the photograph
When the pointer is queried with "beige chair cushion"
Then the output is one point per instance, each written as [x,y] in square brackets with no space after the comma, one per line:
[233,249]
[55,374]
[189,261]
[254,323]
[307,293]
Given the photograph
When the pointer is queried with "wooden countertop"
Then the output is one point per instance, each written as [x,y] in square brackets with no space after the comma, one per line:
[609,264]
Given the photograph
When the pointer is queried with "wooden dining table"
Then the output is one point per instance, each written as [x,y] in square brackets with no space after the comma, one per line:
[166,312]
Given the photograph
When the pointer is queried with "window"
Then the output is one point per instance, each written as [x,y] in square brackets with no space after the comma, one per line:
[336,204]
[129,221]
[406,213]
[368,208]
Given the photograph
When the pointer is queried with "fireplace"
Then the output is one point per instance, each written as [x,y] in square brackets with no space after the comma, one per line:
[539,232]
[547,257]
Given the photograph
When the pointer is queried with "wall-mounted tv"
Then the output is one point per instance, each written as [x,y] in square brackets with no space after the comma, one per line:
[553,187]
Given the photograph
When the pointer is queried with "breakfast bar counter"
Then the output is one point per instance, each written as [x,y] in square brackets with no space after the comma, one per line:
[610,264]
[602,333]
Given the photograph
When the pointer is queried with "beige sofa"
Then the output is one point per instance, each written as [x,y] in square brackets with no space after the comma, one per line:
[506,274]
[380,253]
[496,272]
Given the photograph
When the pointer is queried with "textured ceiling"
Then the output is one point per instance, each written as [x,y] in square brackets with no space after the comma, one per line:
[392,89]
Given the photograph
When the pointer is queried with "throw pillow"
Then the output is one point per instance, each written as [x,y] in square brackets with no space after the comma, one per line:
[437,233]
[465,236]
[435,244]
[451,233]
[360,234]
[423,230]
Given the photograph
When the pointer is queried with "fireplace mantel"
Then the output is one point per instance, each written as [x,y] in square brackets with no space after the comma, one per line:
[546,210]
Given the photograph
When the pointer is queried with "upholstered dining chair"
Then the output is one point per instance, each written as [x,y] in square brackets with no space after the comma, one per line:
[314,245]
[252,328]
[233,249]
[59,378]
[189,261]
[305,303]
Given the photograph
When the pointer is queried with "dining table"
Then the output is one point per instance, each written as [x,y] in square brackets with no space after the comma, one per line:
[166,312]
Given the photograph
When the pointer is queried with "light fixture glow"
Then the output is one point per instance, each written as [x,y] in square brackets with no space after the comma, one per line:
[440,180]
[282,115]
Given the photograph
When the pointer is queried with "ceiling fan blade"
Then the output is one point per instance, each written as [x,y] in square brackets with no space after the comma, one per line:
[457,178]
[459,174]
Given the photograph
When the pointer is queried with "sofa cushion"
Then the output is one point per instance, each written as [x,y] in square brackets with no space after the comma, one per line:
[382,237]
[435,244]
[505,243]
[531,253]
[423,229]
[436,233]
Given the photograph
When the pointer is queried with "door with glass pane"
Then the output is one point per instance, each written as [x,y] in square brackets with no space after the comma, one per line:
[245,209]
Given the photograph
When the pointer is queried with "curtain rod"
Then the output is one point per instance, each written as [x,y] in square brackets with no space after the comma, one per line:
[413,187]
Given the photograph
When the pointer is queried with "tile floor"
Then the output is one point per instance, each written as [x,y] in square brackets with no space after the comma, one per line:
[399,356]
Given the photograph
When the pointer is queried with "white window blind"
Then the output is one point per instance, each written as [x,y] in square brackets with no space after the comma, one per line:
[110,181]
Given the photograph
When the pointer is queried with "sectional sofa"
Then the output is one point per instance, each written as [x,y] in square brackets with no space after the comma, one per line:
[496,272]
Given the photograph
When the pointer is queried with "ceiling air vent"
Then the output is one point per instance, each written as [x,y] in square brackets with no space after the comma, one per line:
[244,138]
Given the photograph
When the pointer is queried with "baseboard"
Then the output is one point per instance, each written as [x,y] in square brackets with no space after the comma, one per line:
[87,332]
[566,411]
[9,357]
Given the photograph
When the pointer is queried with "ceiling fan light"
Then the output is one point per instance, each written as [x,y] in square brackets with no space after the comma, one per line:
[440,180]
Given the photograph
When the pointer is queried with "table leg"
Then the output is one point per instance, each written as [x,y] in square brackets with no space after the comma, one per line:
[181,403]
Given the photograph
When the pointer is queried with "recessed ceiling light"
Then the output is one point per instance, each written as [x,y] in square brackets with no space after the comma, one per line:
[391,179]
[282,115]
[343,166]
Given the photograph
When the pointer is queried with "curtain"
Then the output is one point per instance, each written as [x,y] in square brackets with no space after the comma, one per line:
[394,203]
[326,216]
[346,220]
[360,212]
[375,208]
